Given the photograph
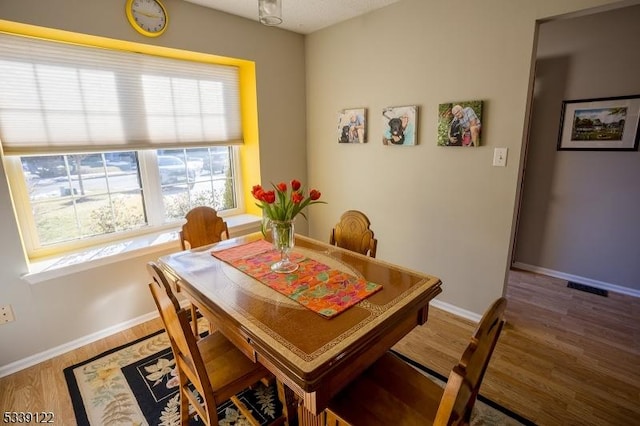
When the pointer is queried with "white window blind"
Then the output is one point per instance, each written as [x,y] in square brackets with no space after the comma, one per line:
[57,97]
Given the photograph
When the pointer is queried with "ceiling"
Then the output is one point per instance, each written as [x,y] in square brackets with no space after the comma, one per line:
[301,16]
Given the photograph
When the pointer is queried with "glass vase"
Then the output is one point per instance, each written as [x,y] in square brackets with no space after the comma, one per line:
[283,236]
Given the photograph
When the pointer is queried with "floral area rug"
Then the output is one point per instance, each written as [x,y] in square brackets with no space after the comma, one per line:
[136,384]
[485,412]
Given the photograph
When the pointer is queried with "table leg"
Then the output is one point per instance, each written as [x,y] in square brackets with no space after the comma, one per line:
[423,315]
[289,403]
[307,418]
[194,321]
[294,409]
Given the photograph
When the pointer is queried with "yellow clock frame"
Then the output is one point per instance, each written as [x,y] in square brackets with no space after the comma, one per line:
[139,27]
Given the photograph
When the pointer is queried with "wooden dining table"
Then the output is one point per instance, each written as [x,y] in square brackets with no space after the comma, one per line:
[311,356]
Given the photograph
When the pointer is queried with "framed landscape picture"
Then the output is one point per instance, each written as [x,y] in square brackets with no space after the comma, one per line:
[604,124]
[399,125]
[460,123]
[352,125]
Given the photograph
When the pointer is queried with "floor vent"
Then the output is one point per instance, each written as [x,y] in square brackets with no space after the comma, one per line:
[588,289]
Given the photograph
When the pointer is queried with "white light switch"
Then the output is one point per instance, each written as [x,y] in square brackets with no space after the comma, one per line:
[500,157]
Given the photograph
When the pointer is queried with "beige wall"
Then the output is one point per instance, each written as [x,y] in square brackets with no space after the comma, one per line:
[580,208]
[58,311]
[441,210]
[445,211]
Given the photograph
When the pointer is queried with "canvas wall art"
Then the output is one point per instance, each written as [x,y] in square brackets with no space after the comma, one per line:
[400,125]
[352,125]
[460,123]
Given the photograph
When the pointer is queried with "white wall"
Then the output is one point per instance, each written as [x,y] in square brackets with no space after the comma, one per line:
[55,312]
[440,210]
[580,208]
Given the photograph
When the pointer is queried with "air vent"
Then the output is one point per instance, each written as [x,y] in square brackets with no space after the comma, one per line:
[588,289]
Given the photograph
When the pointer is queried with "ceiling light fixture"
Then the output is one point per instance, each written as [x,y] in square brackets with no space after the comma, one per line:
[270,12]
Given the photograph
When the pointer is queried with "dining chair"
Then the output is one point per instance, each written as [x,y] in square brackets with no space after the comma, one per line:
[393,392]
[203,227]
[352,232]
[213,366]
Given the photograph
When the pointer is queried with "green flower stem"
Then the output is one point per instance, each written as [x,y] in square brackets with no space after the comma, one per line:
[282,233]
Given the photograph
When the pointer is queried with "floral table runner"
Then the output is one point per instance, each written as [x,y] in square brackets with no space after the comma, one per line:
[314,285]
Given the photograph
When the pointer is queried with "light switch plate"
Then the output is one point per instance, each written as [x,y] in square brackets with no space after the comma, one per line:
[500,157]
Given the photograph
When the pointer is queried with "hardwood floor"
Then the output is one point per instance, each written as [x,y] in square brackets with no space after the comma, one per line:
[43,387]
[566,357]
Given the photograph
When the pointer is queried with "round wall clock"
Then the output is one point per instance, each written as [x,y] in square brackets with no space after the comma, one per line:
[148,17]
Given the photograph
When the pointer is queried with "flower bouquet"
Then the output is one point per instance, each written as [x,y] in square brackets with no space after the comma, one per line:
[279,207]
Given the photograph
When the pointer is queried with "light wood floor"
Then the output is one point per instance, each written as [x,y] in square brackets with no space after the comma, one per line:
[43,387]
[566,357]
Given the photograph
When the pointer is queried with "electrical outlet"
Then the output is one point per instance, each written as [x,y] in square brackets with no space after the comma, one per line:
[6,314]
[500,157]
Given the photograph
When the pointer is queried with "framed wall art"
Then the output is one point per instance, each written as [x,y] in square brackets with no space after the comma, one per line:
[460,123]
[352,125]
[399,125]
[604,124]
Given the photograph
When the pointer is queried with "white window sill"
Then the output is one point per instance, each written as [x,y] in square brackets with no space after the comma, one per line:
[98,256]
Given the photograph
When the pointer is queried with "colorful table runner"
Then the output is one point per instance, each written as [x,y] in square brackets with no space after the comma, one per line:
[314,285]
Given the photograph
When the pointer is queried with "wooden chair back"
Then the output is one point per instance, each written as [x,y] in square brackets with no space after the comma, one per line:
[393,392]
[203,227]
[213,366]
[160,281]
[353,233]
[464,381]
[189,362]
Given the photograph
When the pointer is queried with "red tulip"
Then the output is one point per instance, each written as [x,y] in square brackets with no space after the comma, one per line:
[269,197]
[314,194]
[282,204]
[297,198]
[255,190]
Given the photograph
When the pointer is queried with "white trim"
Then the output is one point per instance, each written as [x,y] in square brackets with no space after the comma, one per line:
[75,344]
[156,220]
[576,278]
[70,264]
[243,224]
[122,250]
[32,360]
[472,316]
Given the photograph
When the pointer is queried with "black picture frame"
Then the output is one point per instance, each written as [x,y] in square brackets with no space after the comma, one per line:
[600,124]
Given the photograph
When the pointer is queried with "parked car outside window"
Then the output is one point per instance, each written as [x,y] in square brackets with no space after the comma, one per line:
[174,170]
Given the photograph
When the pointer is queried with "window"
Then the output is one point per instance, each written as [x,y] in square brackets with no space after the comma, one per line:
[104,144]
[83,195]
[101,196]
[196,177]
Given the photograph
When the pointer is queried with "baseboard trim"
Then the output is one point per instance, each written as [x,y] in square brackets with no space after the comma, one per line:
[472,316]
[576,278]
[32,360]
